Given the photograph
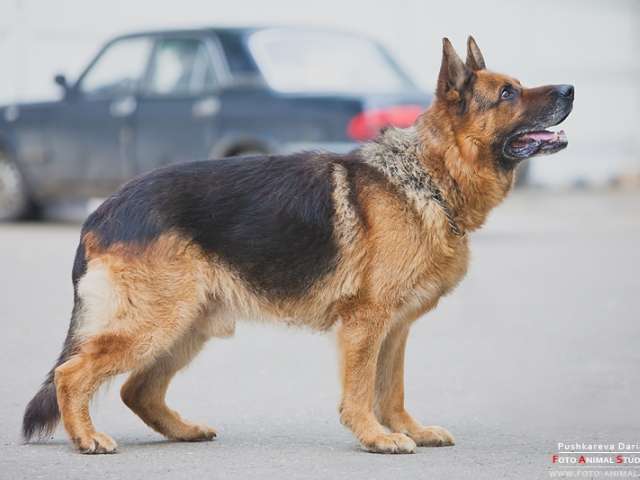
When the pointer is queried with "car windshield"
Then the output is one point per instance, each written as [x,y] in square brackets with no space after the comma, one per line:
[315,61]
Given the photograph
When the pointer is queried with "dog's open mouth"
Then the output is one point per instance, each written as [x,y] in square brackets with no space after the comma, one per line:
[527,144]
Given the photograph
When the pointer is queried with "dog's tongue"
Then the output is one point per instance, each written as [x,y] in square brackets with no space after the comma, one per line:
[541,141]
[543,136]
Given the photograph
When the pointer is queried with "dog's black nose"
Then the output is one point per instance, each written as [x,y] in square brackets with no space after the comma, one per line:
[565,91]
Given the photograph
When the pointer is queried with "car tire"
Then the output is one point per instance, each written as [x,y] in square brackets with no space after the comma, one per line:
[14,199]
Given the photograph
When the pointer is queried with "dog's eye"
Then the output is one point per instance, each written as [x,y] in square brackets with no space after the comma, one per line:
[507,92]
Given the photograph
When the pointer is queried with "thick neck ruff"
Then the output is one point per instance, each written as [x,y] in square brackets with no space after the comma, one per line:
[395,154]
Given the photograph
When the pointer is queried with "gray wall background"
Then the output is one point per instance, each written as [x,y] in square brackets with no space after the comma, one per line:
[593,44]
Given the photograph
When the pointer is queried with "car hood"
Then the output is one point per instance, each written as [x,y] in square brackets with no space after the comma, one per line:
[36,105]
[13,112]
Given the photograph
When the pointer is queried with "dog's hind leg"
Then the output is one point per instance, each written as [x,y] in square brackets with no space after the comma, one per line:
[134,311]
[104,355]
[144,392]
[77,380]
[390,393]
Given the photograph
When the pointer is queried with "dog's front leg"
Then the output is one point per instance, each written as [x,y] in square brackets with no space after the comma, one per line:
[360,338]
[390,393]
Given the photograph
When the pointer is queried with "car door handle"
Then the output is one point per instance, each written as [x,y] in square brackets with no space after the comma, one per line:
[207,107]
[123,107]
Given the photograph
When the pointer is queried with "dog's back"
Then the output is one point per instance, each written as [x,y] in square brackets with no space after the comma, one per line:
[269,218]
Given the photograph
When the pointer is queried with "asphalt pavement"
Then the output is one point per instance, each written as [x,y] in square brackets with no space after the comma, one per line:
[540,344]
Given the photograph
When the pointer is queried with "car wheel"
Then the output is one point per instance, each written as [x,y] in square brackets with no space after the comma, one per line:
[14,201]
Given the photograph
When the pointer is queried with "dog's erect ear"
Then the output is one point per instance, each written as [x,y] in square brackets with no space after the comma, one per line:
[454,74]
[475,60]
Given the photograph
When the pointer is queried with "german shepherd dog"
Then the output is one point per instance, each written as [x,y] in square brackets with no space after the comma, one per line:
[365,242]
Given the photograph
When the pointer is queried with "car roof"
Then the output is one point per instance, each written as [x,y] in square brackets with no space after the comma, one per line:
[233,30]
[180,31]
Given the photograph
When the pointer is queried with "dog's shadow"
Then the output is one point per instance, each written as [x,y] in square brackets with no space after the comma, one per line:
[277,442]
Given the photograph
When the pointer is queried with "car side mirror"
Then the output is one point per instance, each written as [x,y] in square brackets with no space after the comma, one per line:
[61,81]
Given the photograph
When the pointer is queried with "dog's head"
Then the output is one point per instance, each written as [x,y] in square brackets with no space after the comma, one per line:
[496,111]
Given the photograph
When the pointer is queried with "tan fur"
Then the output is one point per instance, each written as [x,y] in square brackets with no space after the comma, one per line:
[150,310]
[145,390]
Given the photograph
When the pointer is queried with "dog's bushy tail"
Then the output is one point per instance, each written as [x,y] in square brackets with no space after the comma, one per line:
[42,414]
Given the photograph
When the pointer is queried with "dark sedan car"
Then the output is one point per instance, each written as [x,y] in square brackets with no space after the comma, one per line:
[150,99]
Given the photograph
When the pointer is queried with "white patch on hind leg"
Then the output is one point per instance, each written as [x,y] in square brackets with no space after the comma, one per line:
[99,299]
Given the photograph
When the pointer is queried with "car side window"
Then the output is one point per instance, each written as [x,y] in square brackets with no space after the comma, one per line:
[119,70]
[181,66]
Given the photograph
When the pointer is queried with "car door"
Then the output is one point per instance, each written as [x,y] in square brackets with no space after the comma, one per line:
[92,134]
[178,105]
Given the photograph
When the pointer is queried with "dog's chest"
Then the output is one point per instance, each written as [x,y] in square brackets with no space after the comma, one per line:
[437,275]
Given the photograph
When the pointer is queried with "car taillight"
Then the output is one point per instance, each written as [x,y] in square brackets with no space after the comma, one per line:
[367,125]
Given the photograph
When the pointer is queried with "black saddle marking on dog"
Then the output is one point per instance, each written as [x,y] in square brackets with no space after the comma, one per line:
[268,217]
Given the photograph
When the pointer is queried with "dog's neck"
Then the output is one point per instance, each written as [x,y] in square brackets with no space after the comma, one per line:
[428,159]
[463,166]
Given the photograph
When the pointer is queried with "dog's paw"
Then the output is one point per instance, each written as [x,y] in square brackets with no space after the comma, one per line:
[96,443]
[196,433]
[390,443]
[433,437]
